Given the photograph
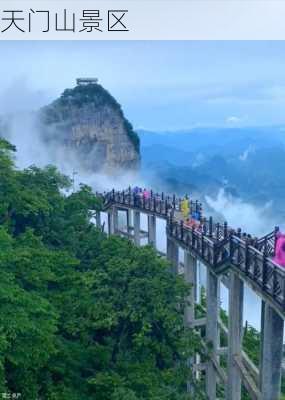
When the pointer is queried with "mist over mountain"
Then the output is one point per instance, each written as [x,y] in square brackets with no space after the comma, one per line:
[84,130]
[234,171]
[245,163]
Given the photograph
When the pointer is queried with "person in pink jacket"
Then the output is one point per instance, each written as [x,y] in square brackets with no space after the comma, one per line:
[146,194]
[279,257]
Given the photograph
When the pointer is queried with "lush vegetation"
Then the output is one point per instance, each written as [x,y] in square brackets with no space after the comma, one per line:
[82,316]
[94,95]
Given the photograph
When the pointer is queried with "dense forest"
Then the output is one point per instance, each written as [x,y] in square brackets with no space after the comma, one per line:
[82,316]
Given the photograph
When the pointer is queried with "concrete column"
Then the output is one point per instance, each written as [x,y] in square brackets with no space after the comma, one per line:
[197,297]
[236,290]
[212,332]
[137,228]
[272,327]
[98,219]
[198,284]
[190,275]
[151,220]
[129,220]
[112,221]
[168,249]
[116,219]
[219,328]
[172,255]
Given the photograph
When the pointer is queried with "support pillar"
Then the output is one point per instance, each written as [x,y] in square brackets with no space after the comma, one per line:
[98,219]
[190,274]
[272,327]
[198,283]
[219,328]
[151,219]
[137,228]
[172,255]
[116,219]
[129,220]
[198,301]
[236,292]
[212,332]
[112,221]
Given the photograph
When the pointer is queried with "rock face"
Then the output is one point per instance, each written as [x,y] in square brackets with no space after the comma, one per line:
[89,122]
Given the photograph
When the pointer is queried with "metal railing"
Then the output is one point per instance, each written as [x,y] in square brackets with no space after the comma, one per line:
[217,245]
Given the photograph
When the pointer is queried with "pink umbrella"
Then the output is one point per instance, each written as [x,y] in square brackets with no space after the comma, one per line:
[279,257]
[146,194]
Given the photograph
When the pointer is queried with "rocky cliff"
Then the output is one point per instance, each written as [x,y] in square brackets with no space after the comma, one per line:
[88,121]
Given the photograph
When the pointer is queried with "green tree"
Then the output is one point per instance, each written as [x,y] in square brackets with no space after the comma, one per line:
[82,316]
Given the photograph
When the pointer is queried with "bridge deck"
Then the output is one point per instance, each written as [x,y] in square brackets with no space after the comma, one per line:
[215,244]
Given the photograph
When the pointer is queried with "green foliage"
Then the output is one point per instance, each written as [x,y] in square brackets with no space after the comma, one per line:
[200,308]
[82,316]
[251,343]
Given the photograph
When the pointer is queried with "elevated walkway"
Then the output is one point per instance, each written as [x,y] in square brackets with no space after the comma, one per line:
[231,257]
[219,247]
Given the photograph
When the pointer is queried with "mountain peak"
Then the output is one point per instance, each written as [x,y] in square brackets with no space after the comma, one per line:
[88,120]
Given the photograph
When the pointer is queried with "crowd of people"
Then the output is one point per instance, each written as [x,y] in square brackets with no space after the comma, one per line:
[192,218]
[142,193]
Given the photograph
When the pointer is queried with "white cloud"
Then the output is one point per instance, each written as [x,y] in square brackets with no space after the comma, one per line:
[233,120]
[240,214]
[246,153]
[20,95]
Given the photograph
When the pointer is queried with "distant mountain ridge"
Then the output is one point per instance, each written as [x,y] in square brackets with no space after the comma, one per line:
[245,162]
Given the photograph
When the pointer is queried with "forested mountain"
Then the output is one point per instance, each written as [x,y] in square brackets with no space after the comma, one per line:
[82,316]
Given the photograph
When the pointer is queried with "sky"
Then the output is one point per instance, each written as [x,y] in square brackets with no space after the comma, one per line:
[161,85]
